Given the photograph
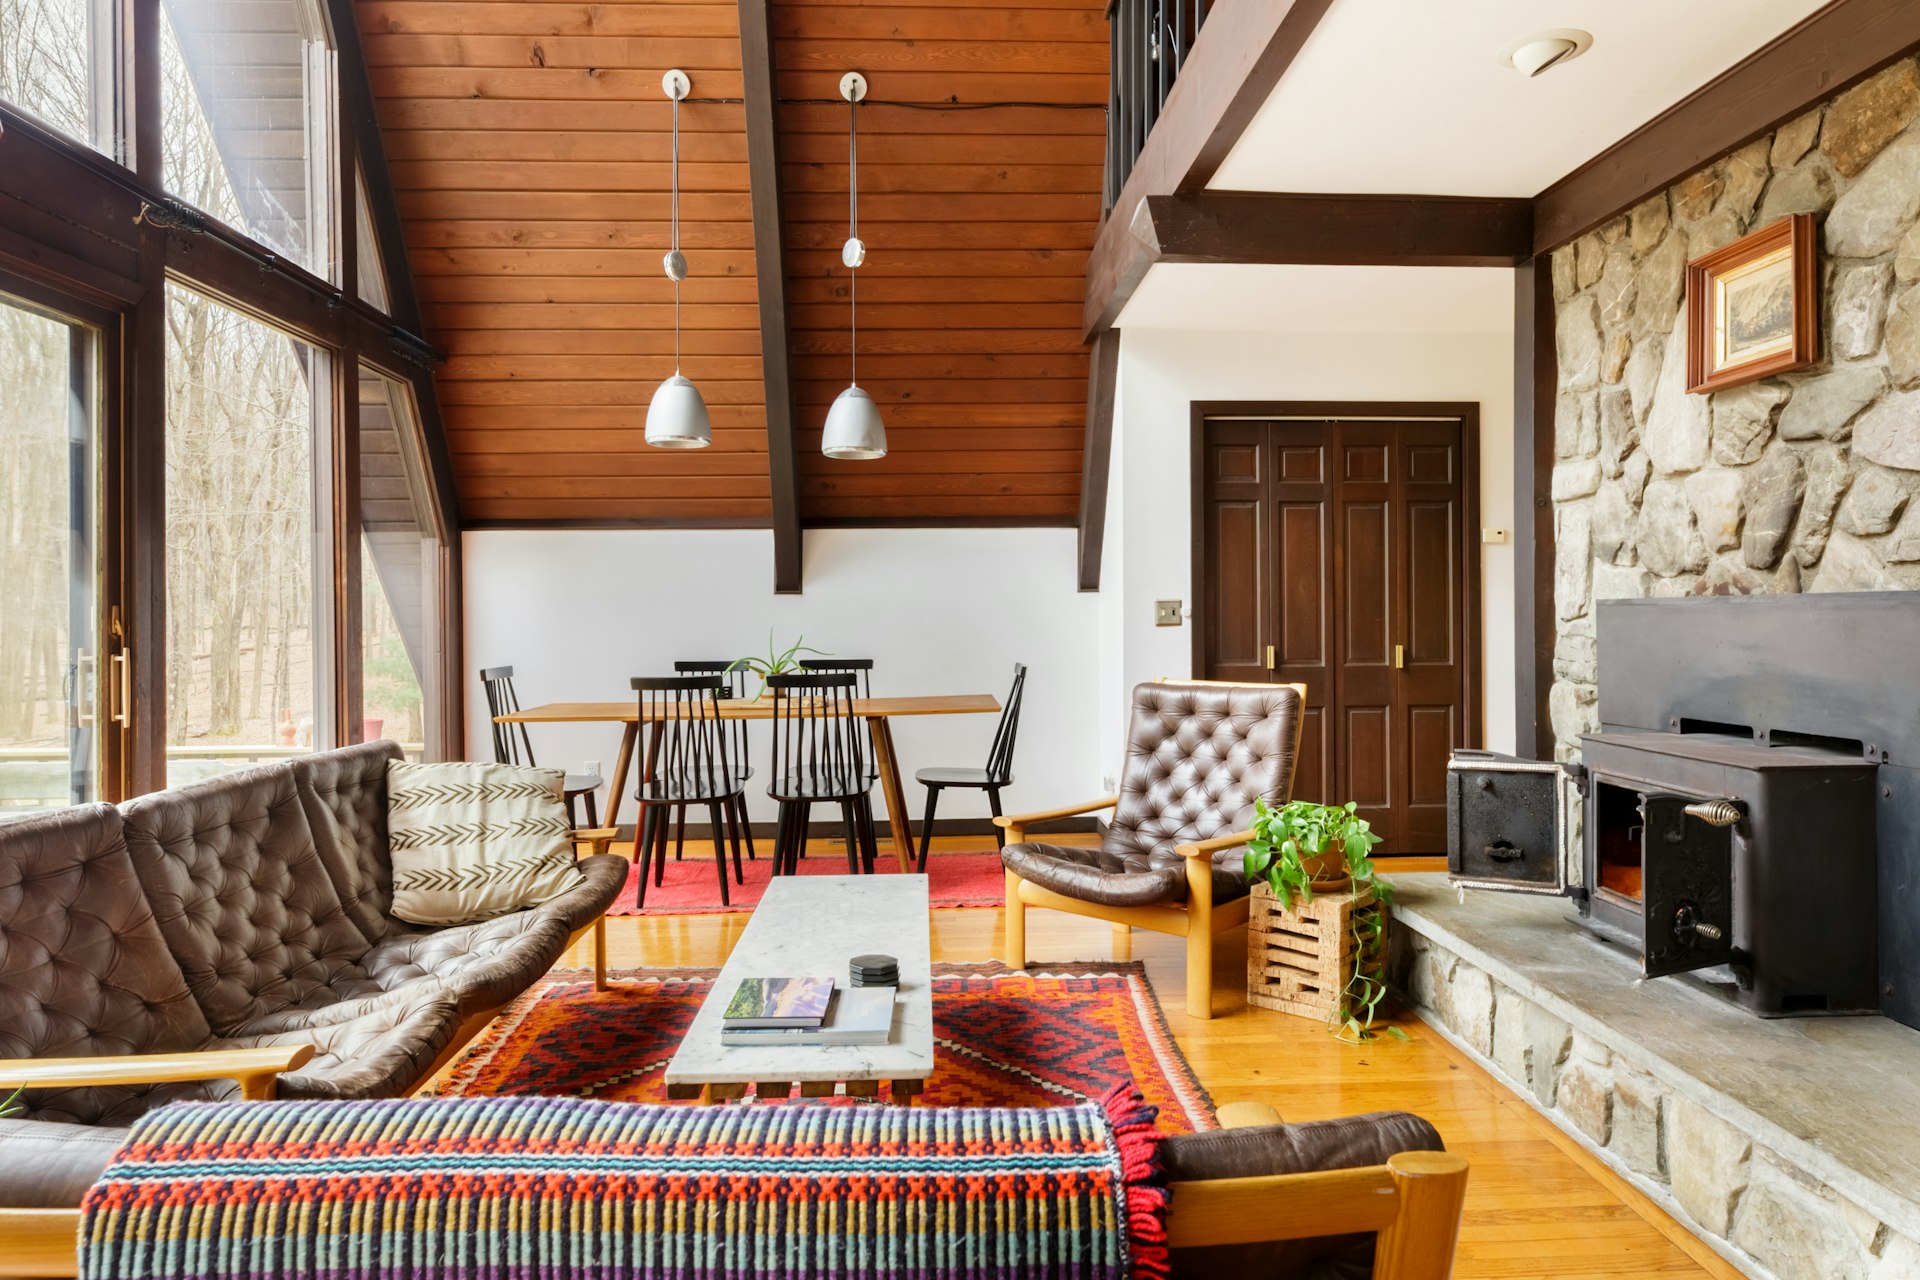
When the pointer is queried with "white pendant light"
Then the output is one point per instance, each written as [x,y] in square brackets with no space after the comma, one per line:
[854,430]
[677,415]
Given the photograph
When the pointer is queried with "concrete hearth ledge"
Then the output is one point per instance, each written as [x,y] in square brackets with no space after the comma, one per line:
[1839,1097]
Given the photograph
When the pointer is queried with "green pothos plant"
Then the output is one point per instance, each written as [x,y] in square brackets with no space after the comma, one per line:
[777,662]
[1301,842]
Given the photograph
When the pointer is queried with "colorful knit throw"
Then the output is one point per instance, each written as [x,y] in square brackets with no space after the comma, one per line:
[544,1188]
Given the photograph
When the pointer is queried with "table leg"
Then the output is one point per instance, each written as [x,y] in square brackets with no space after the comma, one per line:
[622,762]
[892,791]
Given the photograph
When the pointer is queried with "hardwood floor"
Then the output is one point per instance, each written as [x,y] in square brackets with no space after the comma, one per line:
[1537,1204]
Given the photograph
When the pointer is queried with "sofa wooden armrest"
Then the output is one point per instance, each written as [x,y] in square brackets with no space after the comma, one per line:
[1017,823]
[256,1070]
[1207,848]
[1412,1201]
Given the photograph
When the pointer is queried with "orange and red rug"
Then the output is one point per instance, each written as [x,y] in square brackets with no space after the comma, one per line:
[1044,1037]
[690,887]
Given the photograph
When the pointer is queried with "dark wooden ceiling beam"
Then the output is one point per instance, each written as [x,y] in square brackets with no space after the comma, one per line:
[1837,46]
[1335,230]
[1237,59]
[770,271]
[1103,373]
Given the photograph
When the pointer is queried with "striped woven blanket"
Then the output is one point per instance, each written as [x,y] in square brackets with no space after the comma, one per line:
[543,1188]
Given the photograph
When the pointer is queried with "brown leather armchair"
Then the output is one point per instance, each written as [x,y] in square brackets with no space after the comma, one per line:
[1199,754]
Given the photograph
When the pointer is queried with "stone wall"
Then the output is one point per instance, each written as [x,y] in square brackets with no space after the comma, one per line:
[1795,483]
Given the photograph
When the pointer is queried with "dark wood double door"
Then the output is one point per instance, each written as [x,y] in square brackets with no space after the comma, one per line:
[1334,553]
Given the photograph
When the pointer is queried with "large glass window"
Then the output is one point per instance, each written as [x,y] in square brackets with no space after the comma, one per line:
[49,658]
[245,407]
[245,110]
[52,53]
[399,574]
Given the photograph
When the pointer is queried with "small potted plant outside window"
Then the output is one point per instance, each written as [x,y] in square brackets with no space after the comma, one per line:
[1300,849]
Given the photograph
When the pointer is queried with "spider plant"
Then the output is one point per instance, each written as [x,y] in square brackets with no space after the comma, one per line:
[12,1106]
[776,662]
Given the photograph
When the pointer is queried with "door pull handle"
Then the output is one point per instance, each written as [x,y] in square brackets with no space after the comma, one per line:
[1269,657]
[1399,656]
[120,709]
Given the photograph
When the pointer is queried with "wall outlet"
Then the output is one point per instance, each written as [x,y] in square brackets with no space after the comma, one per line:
[1109,784]
[1166,613]
[591,768]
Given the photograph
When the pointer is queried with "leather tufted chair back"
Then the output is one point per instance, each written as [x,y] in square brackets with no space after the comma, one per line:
[84,970]
[344,794]
[1198,755]
[247,909]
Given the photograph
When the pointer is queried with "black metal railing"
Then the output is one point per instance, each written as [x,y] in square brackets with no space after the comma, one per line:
[1150,41]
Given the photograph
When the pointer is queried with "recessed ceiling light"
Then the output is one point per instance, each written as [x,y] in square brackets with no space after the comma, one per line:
[1536,53]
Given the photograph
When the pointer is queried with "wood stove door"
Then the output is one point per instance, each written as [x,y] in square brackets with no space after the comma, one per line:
[1686,888]
[1506,823]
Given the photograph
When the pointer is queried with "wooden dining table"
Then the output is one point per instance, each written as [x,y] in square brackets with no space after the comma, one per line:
[877,712]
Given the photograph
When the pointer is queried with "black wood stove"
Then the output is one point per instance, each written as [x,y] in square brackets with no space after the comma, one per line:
[1750,807]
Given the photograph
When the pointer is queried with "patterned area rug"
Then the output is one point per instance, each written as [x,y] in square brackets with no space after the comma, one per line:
[690,886]
[1041,1038]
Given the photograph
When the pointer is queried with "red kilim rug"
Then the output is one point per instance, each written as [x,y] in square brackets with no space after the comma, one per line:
[691,888]
[1046,1037]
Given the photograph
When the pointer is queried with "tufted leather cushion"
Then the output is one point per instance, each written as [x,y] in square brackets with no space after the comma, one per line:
[602,876]
[1198,756]
[84,970]
[50,1166]
[378,1054]
[344,794]
[246,907]
[483,965]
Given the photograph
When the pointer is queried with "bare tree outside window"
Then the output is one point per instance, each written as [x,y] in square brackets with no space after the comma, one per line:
[46,62]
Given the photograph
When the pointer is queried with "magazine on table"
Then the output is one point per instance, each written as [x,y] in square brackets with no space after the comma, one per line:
[855,1016]
[774,1003]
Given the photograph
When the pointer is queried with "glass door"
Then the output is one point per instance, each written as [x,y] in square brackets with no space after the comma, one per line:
[50,646]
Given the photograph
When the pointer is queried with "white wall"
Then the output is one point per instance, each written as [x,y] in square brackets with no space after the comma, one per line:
[578,612]
[1163,371]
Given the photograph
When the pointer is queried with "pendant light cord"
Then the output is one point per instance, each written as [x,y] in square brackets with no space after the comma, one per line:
[676,234]
[853,233]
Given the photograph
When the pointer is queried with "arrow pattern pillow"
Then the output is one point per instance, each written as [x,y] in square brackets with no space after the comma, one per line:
[474,841]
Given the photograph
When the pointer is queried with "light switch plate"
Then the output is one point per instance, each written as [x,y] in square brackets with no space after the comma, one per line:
[1166,613]
[1494,537]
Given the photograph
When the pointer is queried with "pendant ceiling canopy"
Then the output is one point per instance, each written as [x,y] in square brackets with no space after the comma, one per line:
[677,415]
[854,430]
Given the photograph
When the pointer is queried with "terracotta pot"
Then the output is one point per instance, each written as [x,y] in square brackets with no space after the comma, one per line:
[1327,872]
[371,729]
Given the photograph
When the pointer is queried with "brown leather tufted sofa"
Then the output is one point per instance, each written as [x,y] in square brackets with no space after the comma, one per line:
[1199,754]
[235,938]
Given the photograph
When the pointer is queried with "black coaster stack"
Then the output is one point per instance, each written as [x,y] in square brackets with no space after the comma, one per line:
[873,971]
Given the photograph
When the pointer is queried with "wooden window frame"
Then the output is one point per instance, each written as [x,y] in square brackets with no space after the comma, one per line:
[95,236]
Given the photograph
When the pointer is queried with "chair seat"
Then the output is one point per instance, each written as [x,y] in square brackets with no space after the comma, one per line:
[821,786]
[960,778]
[1095,875]
[579,782]
[689,788]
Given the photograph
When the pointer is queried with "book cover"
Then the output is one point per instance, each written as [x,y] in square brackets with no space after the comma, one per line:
[779,1002]
[858,1016]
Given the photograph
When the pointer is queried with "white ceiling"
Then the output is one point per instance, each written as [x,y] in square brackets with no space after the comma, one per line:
[1407,96]
[1300,299]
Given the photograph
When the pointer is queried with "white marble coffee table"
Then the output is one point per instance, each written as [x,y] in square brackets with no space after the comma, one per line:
[810,927]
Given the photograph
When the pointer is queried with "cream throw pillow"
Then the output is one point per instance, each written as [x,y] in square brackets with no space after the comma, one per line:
[473,841]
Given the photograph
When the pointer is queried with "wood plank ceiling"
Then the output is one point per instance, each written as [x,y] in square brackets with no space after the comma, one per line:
[528,142]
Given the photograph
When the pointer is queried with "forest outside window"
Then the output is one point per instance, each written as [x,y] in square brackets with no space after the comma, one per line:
[246,117]
[400,618]
[55,61]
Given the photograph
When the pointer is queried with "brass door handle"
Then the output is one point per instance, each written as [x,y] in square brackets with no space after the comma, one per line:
[1269,657]
[1399,656]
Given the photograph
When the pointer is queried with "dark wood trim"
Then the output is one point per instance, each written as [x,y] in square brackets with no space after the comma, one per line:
[1240,54]
[453,650]
[1103,375]
[942,522]
[1466,412]
[1535,385]
[484,525]
[1337,230]
[1843,43]
[770,271]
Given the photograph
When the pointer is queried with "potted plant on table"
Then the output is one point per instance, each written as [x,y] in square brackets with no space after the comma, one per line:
[777,662]
[1301,848]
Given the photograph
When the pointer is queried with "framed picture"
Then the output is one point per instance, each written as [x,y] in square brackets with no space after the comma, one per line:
[1753,307]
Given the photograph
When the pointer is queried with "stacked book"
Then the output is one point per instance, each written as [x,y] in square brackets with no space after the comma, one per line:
[783,1012]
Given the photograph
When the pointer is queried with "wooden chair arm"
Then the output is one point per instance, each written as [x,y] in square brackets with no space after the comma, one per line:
[1017,823]
[1207,848]
[599,839]
[256,1070]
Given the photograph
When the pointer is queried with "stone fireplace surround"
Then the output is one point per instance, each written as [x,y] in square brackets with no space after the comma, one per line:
[1791,1146]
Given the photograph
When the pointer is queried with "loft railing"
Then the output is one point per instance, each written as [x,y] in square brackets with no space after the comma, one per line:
[1150,41]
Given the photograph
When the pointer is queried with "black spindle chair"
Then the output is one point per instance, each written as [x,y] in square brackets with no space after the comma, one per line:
[690,763]
[733,684]
[997,774]
[820,756]
[512,745]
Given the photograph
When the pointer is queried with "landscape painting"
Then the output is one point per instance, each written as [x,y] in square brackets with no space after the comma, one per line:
[1753,306]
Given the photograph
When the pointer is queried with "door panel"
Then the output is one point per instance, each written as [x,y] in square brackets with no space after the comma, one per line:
[1360,593]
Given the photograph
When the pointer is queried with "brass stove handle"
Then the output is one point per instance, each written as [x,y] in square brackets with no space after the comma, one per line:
[1716,813]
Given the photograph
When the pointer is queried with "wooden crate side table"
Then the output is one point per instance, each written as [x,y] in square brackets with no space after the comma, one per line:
[1300,961]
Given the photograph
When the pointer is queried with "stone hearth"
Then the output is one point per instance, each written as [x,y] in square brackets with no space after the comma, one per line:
[1792,1146]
